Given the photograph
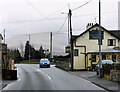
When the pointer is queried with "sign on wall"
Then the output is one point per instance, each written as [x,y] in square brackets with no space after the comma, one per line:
[67,49]
[94,34]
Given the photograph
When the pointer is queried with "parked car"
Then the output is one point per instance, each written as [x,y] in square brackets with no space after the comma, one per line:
[44,63]
[103,62]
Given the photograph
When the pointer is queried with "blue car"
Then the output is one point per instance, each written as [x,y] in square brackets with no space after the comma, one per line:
[44,63]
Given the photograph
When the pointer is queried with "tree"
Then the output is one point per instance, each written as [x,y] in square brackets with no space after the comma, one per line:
[35,54]
[26,56]
[14,54]
[41,52]
[17,55]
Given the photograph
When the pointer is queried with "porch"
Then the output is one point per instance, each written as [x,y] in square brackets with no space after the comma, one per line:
[106,54]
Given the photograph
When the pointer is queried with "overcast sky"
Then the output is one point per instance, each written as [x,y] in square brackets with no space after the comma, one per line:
[39,17]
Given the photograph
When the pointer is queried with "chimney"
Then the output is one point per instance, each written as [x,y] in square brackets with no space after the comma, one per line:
[89,25]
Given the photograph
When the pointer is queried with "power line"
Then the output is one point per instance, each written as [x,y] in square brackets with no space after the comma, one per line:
[32,20]
[81,5]
[62,25]
[57,11]
[40,12]
[111,12]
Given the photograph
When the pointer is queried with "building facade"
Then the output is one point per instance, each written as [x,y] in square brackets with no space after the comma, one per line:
[1,38]
[86,48]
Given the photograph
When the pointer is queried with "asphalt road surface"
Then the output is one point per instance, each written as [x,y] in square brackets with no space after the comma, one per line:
[31,77]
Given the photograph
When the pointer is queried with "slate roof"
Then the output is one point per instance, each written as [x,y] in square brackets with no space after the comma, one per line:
[116,33]
[1,36]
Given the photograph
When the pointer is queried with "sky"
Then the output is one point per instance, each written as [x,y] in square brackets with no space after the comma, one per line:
[38,18]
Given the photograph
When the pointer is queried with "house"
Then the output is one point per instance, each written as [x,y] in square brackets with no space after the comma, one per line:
[86,48]
[3,54]
[1,38]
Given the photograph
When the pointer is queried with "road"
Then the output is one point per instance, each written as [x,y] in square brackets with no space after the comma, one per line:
[31,77]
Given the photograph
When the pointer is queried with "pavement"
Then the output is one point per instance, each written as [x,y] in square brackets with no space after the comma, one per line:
[4,83]
[91,76]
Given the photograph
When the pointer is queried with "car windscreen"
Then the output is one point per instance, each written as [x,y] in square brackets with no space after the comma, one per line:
[107,62]
[44,61]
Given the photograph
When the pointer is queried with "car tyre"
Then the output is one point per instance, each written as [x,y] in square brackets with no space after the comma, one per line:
[40,66]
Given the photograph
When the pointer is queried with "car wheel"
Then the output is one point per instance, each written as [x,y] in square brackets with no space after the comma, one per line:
[40,66]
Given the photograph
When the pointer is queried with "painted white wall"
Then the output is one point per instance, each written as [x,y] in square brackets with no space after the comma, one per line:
[91,46]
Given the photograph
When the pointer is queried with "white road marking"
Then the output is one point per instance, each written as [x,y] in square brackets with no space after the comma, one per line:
[45,74]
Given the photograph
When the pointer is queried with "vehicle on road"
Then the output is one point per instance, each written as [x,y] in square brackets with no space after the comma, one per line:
[44,63]
[103,62]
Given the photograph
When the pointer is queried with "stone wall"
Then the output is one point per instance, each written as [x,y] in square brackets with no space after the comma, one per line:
[63,65]
[112,72]
[115,75]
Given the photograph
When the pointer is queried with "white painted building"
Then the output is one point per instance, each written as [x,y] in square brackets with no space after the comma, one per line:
[86,48]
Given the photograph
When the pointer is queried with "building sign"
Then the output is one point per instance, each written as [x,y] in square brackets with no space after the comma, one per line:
[67,49]
[95,34]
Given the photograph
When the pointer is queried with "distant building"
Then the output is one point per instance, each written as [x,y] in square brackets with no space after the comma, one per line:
[1,38]
[86,48]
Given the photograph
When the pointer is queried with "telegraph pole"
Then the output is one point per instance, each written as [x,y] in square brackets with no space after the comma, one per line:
[4,35]
[71,41]
[68,30]
[29,48]
[100,63]
[50,46]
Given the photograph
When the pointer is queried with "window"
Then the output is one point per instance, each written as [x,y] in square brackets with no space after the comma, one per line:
[103,57]
[76,52]
[93,58]
[114,58]
[111,42]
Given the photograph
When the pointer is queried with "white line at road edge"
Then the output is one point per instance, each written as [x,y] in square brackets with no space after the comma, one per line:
[45,74]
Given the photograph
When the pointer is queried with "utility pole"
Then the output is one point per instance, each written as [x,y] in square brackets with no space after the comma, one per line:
[29,48]
[4,35]
[50,46]
[71,41]
[68,26]
[100,63]
[68,30]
